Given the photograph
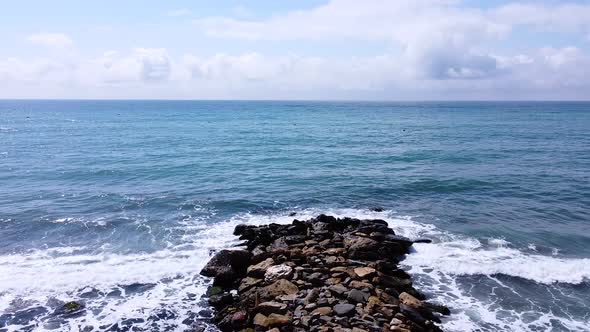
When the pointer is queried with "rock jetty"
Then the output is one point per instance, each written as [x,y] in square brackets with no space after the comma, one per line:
[322,274]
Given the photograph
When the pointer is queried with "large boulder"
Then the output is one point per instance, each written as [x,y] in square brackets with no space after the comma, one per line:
[227,266]
[361,247]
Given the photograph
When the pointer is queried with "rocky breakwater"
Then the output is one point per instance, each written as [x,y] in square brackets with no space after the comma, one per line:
[322,274]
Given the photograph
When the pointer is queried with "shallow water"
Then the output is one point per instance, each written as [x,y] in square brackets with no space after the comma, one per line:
[118,203]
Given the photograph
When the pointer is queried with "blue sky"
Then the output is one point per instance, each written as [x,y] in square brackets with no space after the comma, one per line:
[338,49]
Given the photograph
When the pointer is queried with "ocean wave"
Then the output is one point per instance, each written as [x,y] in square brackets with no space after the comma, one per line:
[455,254]
[168,279]
[462,257]
[147,284]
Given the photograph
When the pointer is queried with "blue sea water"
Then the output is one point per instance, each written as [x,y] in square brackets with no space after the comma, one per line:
[117,204]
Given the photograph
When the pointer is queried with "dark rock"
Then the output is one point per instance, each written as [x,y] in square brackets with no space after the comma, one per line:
[272,307]
[220,300]
[226,266]
[437,308]
[323,274]
[361,247]
[412,313]
[338,289]
[344,309]
[357,296]
[312,296]
[240,229]
[70,309]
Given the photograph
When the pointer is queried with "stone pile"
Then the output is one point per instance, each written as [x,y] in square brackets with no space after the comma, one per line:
[323,274]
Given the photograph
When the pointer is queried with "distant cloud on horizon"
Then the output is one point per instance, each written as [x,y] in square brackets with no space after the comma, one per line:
[341,49]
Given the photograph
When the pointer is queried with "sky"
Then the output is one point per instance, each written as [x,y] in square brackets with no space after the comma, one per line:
[296,50]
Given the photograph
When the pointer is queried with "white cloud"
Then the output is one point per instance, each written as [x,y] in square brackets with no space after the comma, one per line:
[429,49]
[548,73]
[436,38]
[561,17]
[139,65]
[51,40]
[397,21]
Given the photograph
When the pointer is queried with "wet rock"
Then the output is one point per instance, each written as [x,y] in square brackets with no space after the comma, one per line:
[220,300]
[214,290]
[227,266]
[412,313]
[437,308]
[70,309]
[240,229]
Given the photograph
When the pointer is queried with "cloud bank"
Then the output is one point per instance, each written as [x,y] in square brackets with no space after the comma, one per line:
[430,50]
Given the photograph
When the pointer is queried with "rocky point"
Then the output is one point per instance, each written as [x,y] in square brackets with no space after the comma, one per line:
[322,274]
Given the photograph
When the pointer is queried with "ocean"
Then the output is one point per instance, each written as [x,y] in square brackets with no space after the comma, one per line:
[118,204]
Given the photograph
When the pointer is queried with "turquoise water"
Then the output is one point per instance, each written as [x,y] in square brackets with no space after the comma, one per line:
[118,203]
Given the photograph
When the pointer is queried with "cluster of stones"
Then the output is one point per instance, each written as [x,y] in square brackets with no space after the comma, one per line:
[323,274]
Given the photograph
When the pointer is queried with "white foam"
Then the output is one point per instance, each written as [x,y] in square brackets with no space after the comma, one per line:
[465,256]
[7,129]
[100,221]
[64,272]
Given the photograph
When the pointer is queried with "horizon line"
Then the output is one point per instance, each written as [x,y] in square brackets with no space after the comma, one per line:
[300,100]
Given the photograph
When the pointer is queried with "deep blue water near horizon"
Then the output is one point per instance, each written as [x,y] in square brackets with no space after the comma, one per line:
[117,203]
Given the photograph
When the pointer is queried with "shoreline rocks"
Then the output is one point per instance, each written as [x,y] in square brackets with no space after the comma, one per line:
[322,274]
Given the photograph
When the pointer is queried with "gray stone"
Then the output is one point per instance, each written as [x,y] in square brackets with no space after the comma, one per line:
[356,296]
[344,309]
[338,289]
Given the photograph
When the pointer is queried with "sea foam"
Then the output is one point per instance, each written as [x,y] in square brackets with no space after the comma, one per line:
[151,284]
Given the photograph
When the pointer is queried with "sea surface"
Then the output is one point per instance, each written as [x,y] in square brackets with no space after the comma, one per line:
[118,204]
